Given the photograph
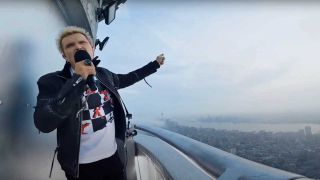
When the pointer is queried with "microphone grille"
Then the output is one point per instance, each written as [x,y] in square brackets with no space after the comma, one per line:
[81,55]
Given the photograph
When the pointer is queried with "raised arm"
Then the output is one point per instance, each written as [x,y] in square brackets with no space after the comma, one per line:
[125,80]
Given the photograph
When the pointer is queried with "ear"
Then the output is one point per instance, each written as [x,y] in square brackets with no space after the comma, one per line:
[64,57]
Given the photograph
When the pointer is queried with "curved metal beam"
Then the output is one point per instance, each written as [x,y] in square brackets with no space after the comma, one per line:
[80,13]
[169,160]
[217,162]
[83,13]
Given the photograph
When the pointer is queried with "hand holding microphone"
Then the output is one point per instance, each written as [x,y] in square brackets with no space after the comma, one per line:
[85,68]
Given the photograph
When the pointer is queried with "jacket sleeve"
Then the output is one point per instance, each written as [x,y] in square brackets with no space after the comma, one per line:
[54,104]
[125,80]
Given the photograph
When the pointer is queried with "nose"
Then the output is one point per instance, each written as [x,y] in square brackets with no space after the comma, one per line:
[78,47]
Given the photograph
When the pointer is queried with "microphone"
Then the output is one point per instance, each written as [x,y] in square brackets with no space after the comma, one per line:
[81,55]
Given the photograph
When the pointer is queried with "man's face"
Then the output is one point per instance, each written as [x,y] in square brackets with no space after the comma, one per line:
[74,42]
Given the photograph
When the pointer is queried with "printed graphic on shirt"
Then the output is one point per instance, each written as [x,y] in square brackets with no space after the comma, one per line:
[98,110]
[93,125]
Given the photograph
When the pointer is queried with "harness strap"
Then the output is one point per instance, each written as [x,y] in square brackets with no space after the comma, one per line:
[146,82]
[54,155]
[128,115]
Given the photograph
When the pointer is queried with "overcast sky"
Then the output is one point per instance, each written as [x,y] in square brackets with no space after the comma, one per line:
[221,58]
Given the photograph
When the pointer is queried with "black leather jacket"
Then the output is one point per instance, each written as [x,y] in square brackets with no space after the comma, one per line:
[59,107]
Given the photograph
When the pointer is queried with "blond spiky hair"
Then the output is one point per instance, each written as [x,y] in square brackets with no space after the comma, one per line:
[69,30]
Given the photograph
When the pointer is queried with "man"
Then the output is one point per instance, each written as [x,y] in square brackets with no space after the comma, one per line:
[88,122]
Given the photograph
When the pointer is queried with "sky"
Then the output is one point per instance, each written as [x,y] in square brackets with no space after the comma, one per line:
[221,58]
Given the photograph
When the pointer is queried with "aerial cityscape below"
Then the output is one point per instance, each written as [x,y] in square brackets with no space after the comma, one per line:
[297,152]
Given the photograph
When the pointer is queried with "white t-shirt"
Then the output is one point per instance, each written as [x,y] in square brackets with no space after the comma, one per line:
[97,128]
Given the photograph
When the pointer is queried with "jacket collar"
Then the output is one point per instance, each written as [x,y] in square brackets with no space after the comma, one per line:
[65,72]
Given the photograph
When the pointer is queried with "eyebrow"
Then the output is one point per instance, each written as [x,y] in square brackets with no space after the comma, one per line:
[73,43]
[82,41]
[70,45]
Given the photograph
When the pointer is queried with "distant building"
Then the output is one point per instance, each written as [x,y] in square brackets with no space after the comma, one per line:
[233,151]
[301,133]
[307,131]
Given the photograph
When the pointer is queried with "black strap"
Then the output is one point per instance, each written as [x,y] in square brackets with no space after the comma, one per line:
[54,155]
[128,115]
[147,82]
